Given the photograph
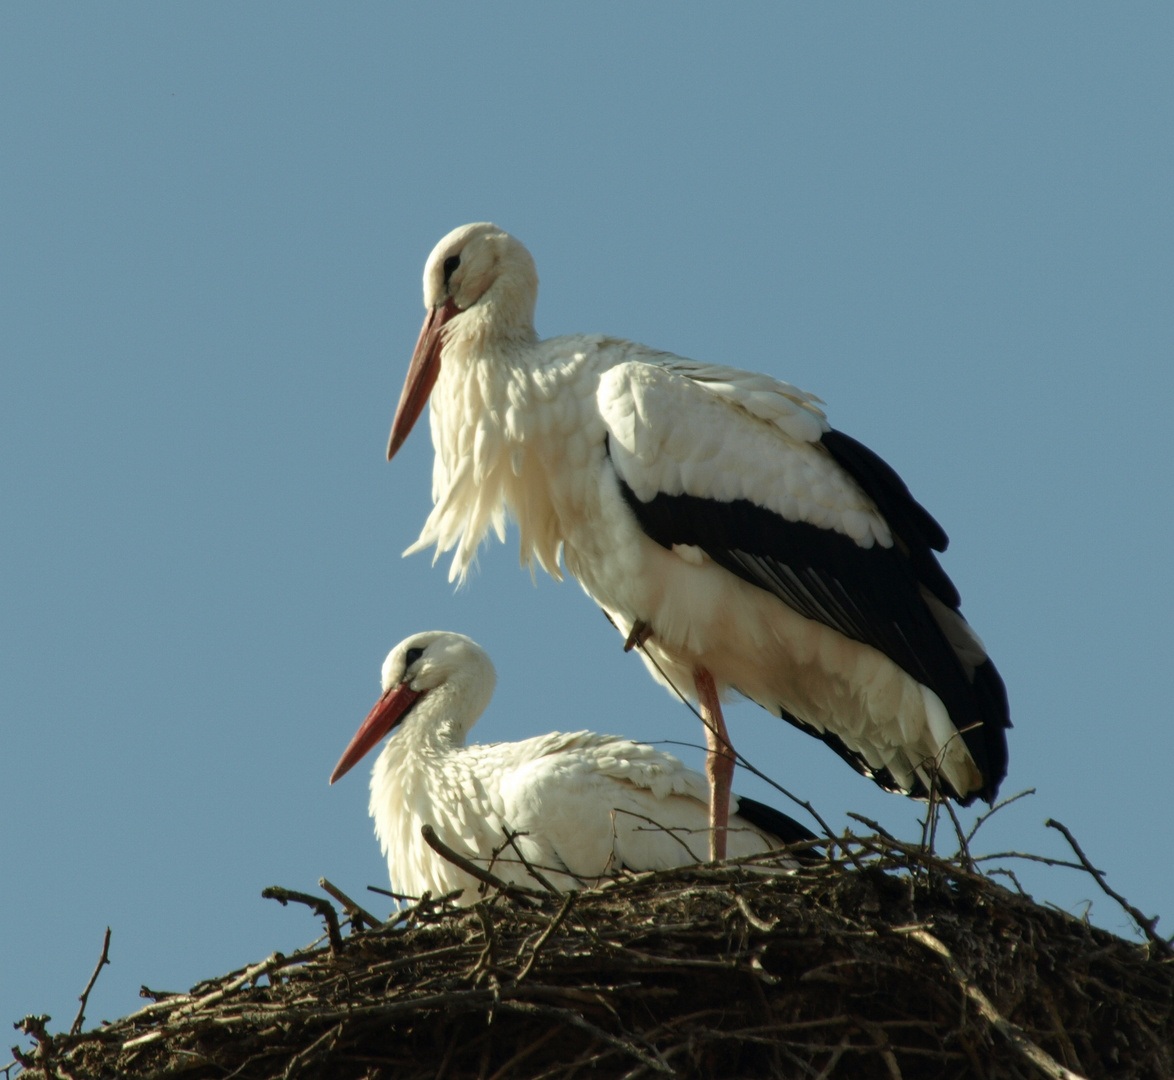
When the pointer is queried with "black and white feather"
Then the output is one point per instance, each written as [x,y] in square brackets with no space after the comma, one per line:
[715,508]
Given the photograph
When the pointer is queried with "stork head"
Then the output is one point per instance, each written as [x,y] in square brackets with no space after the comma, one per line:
[479,269]
[452,672]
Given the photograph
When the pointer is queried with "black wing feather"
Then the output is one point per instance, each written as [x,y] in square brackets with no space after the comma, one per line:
[907,518]
[872,595]
[778,824]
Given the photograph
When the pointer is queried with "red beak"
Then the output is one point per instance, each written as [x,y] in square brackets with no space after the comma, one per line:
[422,372]
[389,710]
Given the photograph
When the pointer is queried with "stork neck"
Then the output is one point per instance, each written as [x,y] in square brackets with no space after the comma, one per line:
[491,327]
[438,725]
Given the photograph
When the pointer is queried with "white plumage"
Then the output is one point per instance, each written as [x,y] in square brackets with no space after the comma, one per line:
[586,805]
[714,515]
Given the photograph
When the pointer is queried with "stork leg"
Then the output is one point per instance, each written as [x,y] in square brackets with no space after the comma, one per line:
[719,762]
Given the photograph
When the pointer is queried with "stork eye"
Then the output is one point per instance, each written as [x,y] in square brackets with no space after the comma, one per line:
[412,656]
[450,266]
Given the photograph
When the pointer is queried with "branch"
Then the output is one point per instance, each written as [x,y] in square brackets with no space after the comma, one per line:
[1147,925]
[875,826]
[321,907]
[534,872]
[1028,857]
[554,924]
[963,847]
[569,1016]
[978,821]
[76,1027]
[661,828]
[1013,1033]
[35,1026]
[358,915]
[396,896]
[517,892]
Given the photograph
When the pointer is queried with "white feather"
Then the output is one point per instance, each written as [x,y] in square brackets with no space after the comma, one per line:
[544,431]
[587,805]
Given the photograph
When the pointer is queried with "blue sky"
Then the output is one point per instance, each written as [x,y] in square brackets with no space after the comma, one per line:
[953,224]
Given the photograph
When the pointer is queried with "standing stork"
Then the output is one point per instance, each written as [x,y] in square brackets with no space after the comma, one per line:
[581,807]
[717,519]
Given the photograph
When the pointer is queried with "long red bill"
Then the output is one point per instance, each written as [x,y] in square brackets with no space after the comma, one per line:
[422,372]
[389,710]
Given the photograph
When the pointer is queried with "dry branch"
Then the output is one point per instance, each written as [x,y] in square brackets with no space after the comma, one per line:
[516,892]
[80,1019]
[323,907]
[1148,925]
[1011,1032]
[358,915]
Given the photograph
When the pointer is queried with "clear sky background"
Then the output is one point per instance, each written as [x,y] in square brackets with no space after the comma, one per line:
[953,224]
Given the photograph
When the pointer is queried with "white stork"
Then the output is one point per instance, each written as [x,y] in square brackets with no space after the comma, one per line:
[717,519]
[584,806]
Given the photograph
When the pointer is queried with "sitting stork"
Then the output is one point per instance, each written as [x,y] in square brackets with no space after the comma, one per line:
[715,516]
[581,807]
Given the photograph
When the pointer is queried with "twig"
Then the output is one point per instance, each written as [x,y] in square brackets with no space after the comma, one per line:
[398,897]
[486,958]
[963,847]
[837,1053]
[881,1041]
[569,1016]
[751,918]
[1011,874]
[517,892]
[1028,857]
[827,829]
[155,995]
[533,871]
[1013,1033]
[672,833]
[302,1058]
[555,923]
[1146,924]
[930,826]
[982,818]
[188,1006]
[27,1062]
[873,825]
[738,757]
[920,855]
[76,1026]
[425,904]
[35,1026]
[357,914]
[526,1051]
[321,907]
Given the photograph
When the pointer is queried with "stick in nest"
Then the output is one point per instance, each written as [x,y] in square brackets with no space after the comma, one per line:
[516,892]
[321,907]
[1147,925]
[76,1026]
[555,923]
[512,839]
[358,915]
[1013,1033]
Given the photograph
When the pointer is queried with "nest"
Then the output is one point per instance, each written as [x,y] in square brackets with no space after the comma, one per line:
[883,960]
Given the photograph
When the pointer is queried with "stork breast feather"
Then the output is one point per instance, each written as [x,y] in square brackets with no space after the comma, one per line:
[672,435]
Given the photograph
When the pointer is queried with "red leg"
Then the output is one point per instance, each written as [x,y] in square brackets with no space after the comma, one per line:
[719,763]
